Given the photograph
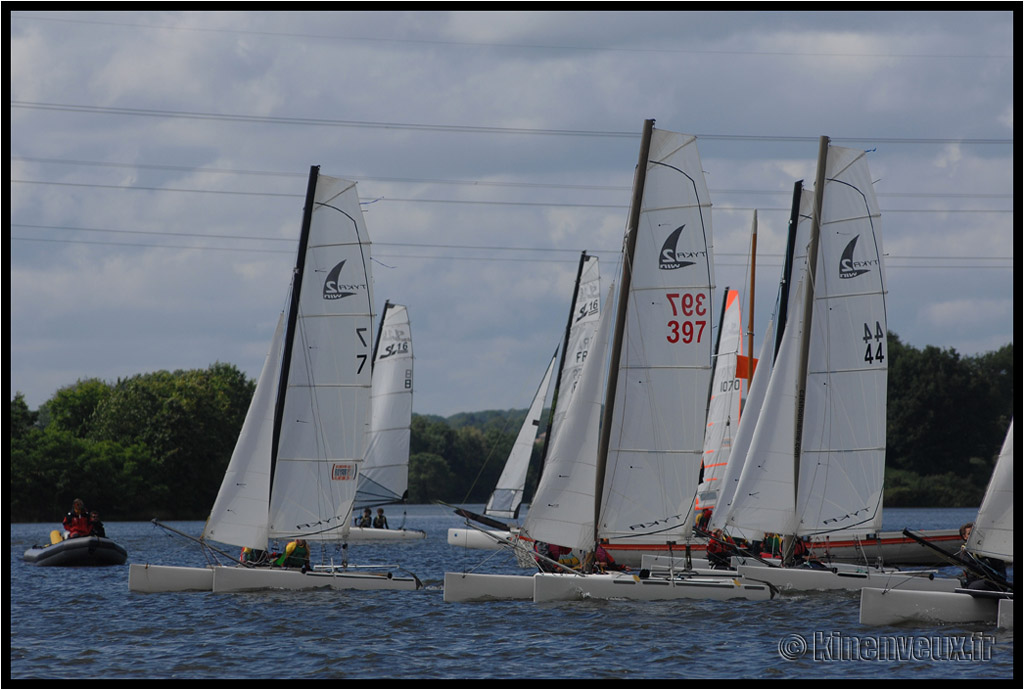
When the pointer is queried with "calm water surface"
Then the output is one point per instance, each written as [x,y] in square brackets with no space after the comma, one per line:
[83,623]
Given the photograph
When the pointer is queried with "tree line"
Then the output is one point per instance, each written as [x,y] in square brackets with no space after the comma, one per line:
[157,444]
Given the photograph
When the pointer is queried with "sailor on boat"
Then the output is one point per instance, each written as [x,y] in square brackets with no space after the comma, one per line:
[296,555]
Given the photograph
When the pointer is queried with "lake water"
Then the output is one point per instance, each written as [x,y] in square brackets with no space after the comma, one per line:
[84,624]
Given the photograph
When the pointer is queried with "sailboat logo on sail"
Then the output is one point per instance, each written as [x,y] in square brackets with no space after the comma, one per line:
[848,268]
[671,259]
[334,289]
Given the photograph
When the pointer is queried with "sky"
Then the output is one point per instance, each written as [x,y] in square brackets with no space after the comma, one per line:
[159,161]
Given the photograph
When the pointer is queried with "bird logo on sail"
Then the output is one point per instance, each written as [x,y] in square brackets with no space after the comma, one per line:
[670,258]
[848,267]
[334,289]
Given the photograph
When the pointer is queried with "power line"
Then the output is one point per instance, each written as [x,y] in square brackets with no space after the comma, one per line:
[325,122]
[479,202]
[470,183]
[517,46]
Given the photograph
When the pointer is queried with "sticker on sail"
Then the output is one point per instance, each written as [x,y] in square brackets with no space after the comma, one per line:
[848,267]
[335,289]
[343,471]
[671,258]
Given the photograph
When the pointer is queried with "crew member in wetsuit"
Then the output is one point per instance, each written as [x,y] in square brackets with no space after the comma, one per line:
[381,521]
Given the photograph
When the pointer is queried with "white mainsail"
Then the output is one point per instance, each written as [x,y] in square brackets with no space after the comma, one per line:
[295,466]
[817,454]
[586,311]
[326,409]
[384,475]
[992,534]
[656,430]
[723,406]
[508,492]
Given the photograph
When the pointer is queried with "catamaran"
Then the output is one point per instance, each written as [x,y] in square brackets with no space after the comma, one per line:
[295,468]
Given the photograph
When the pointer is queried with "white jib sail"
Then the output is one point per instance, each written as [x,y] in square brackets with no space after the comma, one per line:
[239,515]
[660,406]
[384,475]
[562,511]
[327,404]
[508,492]
[723,406]
[842,462]
[992,534]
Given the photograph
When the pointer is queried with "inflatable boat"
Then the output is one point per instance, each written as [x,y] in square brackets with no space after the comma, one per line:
[78,551]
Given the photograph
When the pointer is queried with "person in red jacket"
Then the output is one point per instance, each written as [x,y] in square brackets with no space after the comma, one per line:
[77,522]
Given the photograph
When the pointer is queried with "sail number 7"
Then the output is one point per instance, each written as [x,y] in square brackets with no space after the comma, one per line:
[686,304]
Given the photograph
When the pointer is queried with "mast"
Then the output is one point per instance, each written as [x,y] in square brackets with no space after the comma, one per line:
[750,307]
[787,269]
[620,314]
[380,329]
[561,361]
[808,312]
[293,315]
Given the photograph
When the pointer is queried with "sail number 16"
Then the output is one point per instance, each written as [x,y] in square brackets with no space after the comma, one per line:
[686,304]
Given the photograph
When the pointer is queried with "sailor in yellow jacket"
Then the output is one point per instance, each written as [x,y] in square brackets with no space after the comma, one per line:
[296,555]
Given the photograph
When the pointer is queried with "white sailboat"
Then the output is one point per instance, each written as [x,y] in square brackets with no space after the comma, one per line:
[506,499]
[384,475]
[293,474]
[646,472]
[991,537]
[816,455]
[625,464]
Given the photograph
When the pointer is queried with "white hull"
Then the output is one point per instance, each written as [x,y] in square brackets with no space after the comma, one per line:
[850,579]
[460,587]
[889,607]
[169,578]
[555,587]
[469,538]
[239,579]
[367,534]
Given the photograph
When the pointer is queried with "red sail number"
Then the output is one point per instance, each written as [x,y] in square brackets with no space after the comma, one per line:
[686,304]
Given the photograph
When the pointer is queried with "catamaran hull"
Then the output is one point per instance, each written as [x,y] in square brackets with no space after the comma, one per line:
[239,579]
[468,538]
[882,607]
[462,587]
[809,579]
[889,548]
[369,534]
[556,587]
[78,551]
[143,577]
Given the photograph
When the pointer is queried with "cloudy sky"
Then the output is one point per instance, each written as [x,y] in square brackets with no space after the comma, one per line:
[159,162]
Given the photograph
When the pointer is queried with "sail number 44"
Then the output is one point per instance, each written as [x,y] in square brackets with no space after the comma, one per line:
[682,327]
[874,350]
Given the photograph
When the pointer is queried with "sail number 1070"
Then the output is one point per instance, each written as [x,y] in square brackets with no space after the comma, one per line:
[685,305]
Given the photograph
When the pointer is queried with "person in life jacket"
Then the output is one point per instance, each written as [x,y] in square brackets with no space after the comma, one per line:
[719,548]
[254,556]
[366,520]
[703,519]
[604,562]
[296,555]
[77,522]
[380,522]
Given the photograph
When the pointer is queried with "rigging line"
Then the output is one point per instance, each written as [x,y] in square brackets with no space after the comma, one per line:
[471,129]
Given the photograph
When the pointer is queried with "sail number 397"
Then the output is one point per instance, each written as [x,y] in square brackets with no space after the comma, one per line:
[683,327]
